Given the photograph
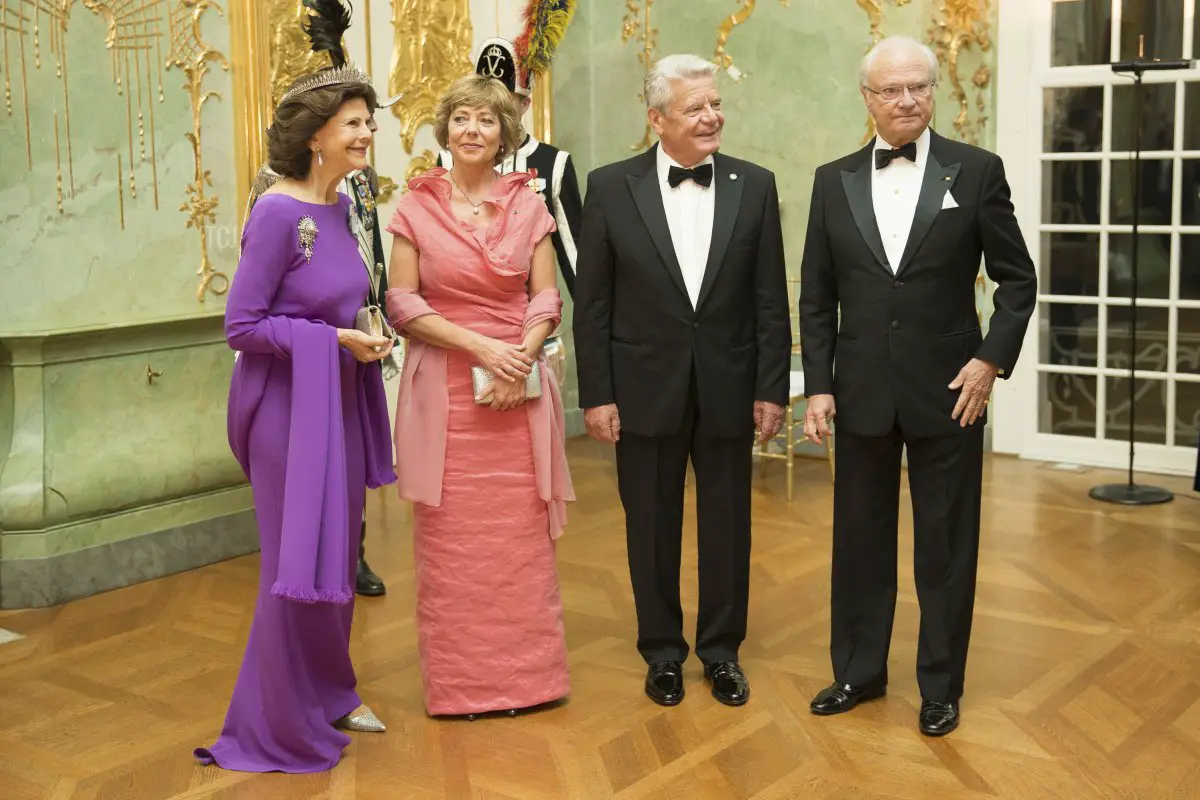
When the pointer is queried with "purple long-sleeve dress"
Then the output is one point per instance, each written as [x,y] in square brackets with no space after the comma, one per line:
[309,426]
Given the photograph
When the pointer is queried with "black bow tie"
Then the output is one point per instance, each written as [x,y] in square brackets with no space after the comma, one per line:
[885,157]
[701,175]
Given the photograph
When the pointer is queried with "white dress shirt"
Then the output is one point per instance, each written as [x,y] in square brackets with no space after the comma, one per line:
[689,208]
[894,192]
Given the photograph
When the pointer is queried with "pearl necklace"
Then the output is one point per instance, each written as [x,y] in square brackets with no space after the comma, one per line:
[474,206]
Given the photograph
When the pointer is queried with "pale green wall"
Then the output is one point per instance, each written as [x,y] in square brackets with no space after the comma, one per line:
[106,478]
[78,268]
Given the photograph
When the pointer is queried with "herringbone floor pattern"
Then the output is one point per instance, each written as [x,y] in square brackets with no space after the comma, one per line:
[1084,680]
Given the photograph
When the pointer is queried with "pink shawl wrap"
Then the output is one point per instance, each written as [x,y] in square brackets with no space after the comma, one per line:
[423,409]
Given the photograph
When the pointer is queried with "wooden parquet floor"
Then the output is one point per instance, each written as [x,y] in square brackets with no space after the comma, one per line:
[1084,677]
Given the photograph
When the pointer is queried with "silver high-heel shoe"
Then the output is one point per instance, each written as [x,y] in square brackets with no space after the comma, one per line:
[365,722]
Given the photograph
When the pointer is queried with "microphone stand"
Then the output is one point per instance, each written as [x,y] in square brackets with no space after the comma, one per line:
[1129,493]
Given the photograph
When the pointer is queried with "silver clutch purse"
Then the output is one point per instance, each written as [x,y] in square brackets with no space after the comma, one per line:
[371,320]
[481,377]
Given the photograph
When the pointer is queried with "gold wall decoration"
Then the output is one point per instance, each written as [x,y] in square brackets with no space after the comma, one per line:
[291,54]
[369,66]
[120,193]
[958,26]
[269,51]
[638,26]
[387,188]
[250,44]
[875,12]
[739,17]
[191,54]
[418,166]
[431,50]
[134,33]
[542,108]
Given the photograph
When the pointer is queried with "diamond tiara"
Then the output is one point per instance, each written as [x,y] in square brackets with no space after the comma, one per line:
[327,77]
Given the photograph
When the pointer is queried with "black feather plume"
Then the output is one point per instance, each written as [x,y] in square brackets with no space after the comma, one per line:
[326,26]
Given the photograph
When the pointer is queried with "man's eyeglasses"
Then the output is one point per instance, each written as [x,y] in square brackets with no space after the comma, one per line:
[891,94]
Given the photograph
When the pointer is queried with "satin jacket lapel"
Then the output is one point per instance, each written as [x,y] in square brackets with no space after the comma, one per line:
[647,196]
[725,214]
[937,181]
[857,185]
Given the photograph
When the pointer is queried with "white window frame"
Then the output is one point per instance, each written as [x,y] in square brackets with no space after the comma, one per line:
[1024,41]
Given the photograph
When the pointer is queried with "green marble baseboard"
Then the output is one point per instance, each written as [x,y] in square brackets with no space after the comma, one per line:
[40,582]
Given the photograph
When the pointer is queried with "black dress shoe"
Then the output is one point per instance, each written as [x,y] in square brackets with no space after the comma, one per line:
[938,719]
[729,684]
[841,697]
[664,683]
[366,582]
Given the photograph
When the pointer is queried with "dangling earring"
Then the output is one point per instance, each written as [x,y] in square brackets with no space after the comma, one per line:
[320,160]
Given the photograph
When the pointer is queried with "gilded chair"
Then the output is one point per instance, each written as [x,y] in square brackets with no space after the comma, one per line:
[793,413]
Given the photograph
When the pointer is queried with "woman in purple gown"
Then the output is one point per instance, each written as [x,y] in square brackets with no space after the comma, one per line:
[308,423]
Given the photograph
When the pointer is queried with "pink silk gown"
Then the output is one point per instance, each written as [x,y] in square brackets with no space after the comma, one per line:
[489,611]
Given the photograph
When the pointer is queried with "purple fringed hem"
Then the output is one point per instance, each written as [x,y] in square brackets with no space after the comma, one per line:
[376,483]
[204,756]
[335,596]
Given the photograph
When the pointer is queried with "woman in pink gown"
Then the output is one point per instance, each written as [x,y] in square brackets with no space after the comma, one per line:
[473,284]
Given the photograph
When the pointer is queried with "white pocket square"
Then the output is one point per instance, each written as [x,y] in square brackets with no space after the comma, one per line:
[948,201]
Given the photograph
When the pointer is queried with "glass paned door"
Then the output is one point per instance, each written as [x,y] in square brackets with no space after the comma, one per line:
[1085,325]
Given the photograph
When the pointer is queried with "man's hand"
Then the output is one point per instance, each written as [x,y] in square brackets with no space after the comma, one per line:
[768,419]
[818,413]
[975,379]
[603,423]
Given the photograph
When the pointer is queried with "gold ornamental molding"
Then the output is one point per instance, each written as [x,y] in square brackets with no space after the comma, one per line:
[542,109]
[270,50]
[290,54]
[958,26]
[34,36]
[191,54]
[739,17]
[250,43]
[638,26]
[875,13]
[387,187]
[431,50]
[419,165]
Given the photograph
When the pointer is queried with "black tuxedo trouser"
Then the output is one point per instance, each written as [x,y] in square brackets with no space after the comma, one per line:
[362,538]
[650,475]
[945,476]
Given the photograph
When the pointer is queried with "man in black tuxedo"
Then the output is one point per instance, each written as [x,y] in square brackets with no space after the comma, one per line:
[895,235]
[682,340]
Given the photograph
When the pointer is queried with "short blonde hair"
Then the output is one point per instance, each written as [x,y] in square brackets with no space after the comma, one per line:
[476,91]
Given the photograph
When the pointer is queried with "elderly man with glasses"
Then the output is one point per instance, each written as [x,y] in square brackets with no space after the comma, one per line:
[895,236]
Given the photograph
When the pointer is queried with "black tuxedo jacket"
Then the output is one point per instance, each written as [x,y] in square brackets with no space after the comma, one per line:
[903,337]
[637,338]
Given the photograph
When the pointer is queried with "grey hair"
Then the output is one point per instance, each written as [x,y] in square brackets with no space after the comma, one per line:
[657,87]
[892,44]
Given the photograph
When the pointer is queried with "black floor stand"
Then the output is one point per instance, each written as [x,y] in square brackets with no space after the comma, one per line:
[1129,493]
